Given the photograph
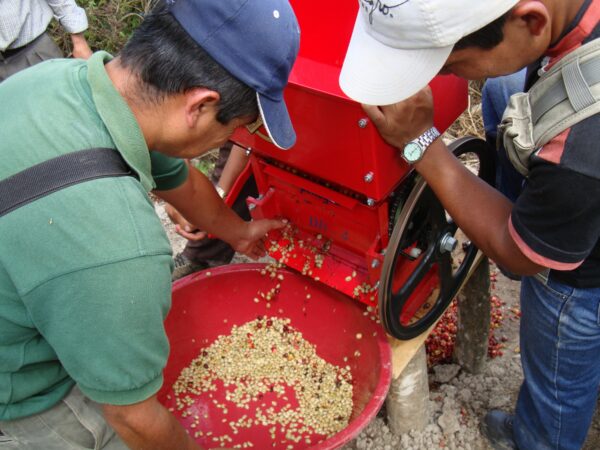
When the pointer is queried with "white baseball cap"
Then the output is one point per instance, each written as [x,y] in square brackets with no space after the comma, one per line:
[398,46]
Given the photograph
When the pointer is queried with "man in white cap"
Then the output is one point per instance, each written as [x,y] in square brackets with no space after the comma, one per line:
[553,228]
[85,265]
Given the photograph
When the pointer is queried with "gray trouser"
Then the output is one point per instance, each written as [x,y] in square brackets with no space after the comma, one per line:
[38,50]
[75,423]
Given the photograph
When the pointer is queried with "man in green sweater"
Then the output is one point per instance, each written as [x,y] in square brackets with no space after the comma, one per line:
[85,271]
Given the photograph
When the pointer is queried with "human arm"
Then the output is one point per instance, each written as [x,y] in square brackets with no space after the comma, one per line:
[74,21]
[236,162]
[148,425]
[477,208]
[81,48]
[197,200]
[182,226]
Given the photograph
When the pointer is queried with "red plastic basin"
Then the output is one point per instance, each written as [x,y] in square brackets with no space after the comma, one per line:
[207,304]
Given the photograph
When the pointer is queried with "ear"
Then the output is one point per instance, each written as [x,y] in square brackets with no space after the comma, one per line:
[198,102]
[532,15]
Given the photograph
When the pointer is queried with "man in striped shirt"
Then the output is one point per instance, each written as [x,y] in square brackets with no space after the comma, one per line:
[551,234]
[24,40]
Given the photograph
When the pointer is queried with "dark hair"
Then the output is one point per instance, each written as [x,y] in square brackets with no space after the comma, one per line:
[487,37]
[168,61]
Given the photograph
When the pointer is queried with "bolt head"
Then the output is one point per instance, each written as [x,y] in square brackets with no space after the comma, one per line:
[369,177]
[362,123]
[448,243]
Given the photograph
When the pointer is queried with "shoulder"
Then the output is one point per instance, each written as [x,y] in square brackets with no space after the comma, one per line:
[82,227]
[576,149]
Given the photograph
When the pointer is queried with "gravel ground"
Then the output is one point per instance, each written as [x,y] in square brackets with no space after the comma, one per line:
[457,400]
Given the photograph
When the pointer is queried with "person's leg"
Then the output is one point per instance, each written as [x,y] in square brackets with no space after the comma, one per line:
[560,344]
[75,423]
[41,49]
[495,95]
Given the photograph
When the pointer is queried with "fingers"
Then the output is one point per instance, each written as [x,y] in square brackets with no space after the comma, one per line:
[180,222]
[172,213]
[276,224]
[260,245]
[401,122]
[192,235]
[374,113]
[196,236]
[256,252]
[259,228]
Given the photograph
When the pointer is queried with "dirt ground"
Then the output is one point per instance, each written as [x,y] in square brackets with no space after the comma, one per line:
[457,400]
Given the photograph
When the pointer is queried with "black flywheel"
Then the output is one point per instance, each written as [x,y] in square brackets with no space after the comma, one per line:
[424,265]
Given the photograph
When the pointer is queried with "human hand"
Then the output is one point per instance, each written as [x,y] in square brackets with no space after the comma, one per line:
[252,242]
[402,122]
[182,226]
[81,49]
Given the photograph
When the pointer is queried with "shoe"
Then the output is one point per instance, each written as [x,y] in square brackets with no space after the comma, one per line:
[183,267]
[497,427]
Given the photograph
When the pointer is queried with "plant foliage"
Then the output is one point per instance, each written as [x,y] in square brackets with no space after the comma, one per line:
[110,23]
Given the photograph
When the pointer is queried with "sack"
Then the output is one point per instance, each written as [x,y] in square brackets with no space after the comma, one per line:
[565,95]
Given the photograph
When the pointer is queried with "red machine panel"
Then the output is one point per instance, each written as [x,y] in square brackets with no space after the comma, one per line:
[335,141]
[340,186]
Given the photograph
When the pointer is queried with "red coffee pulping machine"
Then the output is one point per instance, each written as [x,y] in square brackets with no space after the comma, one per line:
[361,221]
[362,225]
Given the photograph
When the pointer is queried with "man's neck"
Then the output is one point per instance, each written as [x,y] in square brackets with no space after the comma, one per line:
[127,85]
[563,14]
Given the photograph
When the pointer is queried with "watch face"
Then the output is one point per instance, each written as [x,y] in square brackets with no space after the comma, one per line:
[412,152]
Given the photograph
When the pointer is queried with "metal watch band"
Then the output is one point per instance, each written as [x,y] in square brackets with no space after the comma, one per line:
[427,138]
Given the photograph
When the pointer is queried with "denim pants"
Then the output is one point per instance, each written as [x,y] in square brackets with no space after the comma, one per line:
[75,423]
[494,99]
[560,355]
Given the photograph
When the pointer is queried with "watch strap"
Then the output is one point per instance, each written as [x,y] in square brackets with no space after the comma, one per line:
[427,138]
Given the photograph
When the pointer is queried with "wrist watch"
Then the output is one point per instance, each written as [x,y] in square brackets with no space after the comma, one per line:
[415,149]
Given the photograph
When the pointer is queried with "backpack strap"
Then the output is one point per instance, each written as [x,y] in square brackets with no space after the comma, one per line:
[58,173]
[567,94]
[576,87]
[564,96]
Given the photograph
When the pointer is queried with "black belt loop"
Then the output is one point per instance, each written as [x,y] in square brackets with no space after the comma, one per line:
[58,173]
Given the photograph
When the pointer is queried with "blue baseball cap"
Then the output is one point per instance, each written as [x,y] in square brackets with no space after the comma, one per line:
[257,42]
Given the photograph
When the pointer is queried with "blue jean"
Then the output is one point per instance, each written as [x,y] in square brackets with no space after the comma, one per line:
[560,355]
[494,98]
